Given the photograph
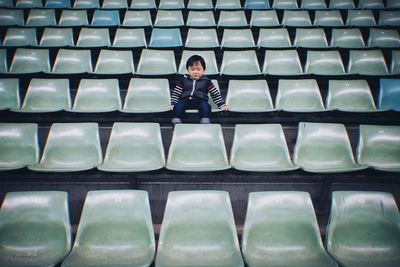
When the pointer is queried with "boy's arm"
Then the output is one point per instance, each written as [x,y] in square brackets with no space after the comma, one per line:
[176,93]
[216,95]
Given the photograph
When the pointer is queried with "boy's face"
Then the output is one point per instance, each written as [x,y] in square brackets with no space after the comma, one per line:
[196,71]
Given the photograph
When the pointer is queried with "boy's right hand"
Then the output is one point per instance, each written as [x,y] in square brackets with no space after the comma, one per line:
[170,107]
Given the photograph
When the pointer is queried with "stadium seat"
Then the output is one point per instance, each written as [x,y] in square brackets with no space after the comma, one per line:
[228,5]
[114,62]
[9,94]
[70,61]
[171,4]
[256,4]
[260,148]
[34,228]
[57,37]
[313,4]
[115,229]
[392,4]
[97,95]
[70,147]
[295,18]
[328,18]
[41,18]
[47,95]
[156,62]
[299,96]
[202,38]
[360,18]
[341,4]
[249,96]
[232,19]
[373,220]
[6,3]
[28,4]
[311,38]
[324,148]
[134,147]
[18,145]
[165,38]
[208,56]
[369,62]
[18,37]
[347,38]
[281,229]
[285,4]
[264,18]
[11,17]
[105,18]
[324,63]
[214,107]
[240,63]
[200,19]
[114,4]
[389,18]
[93,37]
[30,61]
[370,4]
[137,19]
[350,96]
[169,18]
[129,38]
[389,94]
[383,38]
[271,38]
[57,4]
[237,38]
[143,4]
[3,61]
[200,5]
[198,229]
[395,64]
[73,18]
[86,4]
[147,95]
[379,147]
[282,62]
[197,147]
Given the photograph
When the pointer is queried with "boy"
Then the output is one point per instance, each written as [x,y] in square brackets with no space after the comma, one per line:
[191,92]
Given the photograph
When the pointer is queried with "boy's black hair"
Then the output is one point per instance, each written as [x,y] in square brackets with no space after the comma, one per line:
[195,59]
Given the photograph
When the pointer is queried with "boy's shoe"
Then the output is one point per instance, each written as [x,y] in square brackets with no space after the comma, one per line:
[176,120]
[205,121]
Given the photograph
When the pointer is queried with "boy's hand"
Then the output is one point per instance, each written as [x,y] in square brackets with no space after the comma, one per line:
[225,107]
[170,107]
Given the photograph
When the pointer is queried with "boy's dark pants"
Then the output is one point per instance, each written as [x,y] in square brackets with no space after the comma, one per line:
[183,104]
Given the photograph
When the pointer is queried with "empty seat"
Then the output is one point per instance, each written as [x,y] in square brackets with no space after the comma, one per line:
[73,18]
[282,62]
[392,4]
[274,38]
[198,228]
[92,37]
[389,94]
[283,225]
[208,56]
[156,62]
[372,218]
[86,4]
[57,37]
[294,18]
[115,4]
[260,148]
[112,62]
[324,63]
[370,62]
[6,3]
[200,19]
[3,61]
[134,147]
[164,38]
[28,4]
[310,38]
[341,4]
[383,38]
[129,38]
[256,4]
[70,147]
[105,18]
[242,63]
[202,38]
[171,4]
[347,38]
[169,18]
[285,4]
[97,95]
[70,61]
[328,18]
[9,94]
[18,145]
[299,96]
[137,19]
[10,17]
[395,64]
[313,4]
[324,148]
[57,4]
[371,4]
[34,228]
[143,4]
[16,37]
[200,5]
[249,96]
[237,38]
[30,61]
[360,18]
[41,18]
[379,147]
[234,19]
[228,5]
[264,18]
[197,147]
[350,96]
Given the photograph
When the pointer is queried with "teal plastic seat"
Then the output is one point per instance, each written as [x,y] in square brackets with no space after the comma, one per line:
[57,37]
[169,18]
[97,95]
[129,38]
[328,18]
[3,61]
[134,147]
[200,19]
[70,147]
[115,4]
[30,61]
[34,228]
[281,229]
[370,62]
[295,18]
[256,4]
[17,37]
[200,5]
[147,95]
[389,94]
[392,4]
[86,4]
[105,18]
[395,64]
[93,37]
[324,148]
[341,4]
[350,96]
[232,19]
[370,4]
[228,5]
[11,17]
[237,38]
[57,4]
[313,4]
[198,229]
[240,63]
[115,229]
[171,4]
[282,62]
[271,38]
[73,18]
[299,96]
[197,147]
[347,38]
[6,3]
[28,4]
[9,94]
[201,38]
[18,146]
[165,38]
[360,18]
[135,18]
[324,63]
[312,38]
[156,62]
[41,18]
[285,4]
[143,4]
[114,62]
[260,148]
[70,61]
[379,147]
[264,18]
[373,220]
[208,56]
[383,38]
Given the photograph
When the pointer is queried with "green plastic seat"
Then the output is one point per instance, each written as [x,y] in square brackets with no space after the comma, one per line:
[197,147]
[341,4]
[143,4]
[281,230]
[73,18]
[201,38]
[313,4]
[9,94]
[169,18]
[198,229]
[147,95]
[135,18]
[57,4]
[282,62]
[379,147]
[171,4]
[360,18]
[237,38]
[324,63]
[200,19]
[6,3]
[240,63]
[370,62]
[324,148]
[28,4]
[105,18]
[260,148]
[232,19]
[134,147]
[34,228]
[209,58]
[389,94]
[271,38]
[129,38]
[11,17]
[114,4]
[256,4]
[18,145]
[57,37]
[200,5]
[392,4]
[299,96]
[70,147]
[115,229]
[370,4]
[228,5]
[295,18]
[156,62]
[312,38]
[395,64]
[165,38]
[17,37]
[383,38]
[30,61]
[113,62]
[97,95]
[70,61]
[86,4]
[347,38]
[93,37]
[328,18]
[249,96]
[363,229]
[3,61]
[41,18]
[264,18]
[350,96]
[285,4]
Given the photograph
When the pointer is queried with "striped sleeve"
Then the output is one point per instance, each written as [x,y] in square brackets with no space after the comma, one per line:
[176,93]
[215,95]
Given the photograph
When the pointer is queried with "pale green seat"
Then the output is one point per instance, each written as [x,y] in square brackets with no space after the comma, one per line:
[249,96]
[135,18]
[237,38]
[324,148]
[285,4]
[86,4]
[228,5]
[271,38]
[392,4]
[324,63]
[165,38]
[47,95]
[129,38]
[347,38]
[93,37]
[313,4]
[240,63]
[143,4]
[198,229]
[70,61]
[395,64]
[18,145]
[233,19]
[360,18]
[341,4]
[299,96]
[256,4]
[311,38]
[282,62]
[383,38]
[57,37]
[97,95]
[200,19]
[370,4]
[30,61]
[369,62]
[171,4]
[295,18]
[379,147]
[328,18]
[264,18]
[6,3]
[202,38]
[105,18]
[197,147]
[11,17]
[208,56]
[200,5]
[260,148]
[114,62]
[9,94]
[16,37]
[41,18]
[73,18]
[70,147]
[147,95]
[114,4]
[134,147]
[281,230]
[350,96]
[34,228]
[28,4]
[363,229]
[156,62]
[3,61]
[115,229]
[169,18]
[389,94]
[57,4]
